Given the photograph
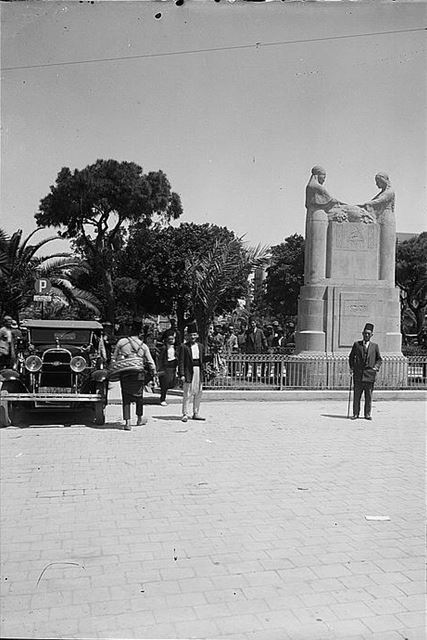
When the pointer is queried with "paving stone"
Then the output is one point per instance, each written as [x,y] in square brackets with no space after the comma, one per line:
[238,623]
[412,619]
[383,623]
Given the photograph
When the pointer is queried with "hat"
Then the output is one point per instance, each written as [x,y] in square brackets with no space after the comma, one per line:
[368,327]
[192,327]
[14,324]
[275,323]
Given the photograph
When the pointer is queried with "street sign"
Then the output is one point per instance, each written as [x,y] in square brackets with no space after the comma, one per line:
[42,298]
[42,285]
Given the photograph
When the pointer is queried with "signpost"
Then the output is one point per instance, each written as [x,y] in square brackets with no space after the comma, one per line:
[42,286]
[42,298]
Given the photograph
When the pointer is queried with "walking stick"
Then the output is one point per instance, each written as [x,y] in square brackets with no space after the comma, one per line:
[349,396]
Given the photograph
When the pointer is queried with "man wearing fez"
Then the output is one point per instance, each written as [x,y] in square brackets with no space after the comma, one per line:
[190,371]
[365,361]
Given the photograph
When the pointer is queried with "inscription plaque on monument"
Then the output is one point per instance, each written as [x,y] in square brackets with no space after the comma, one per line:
[350,236]
[352,251]
[354,312]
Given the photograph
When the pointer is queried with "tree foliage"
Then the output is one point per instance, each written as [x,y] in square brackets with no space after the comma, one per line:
[411,277]
[285,277]
[191,270]
[20,266]
[94,205]
[211,273]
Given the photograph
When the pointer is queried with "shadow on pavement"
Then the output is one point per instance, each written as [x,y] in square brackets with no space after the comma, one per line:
[331,415]
[23,419]
[168,417]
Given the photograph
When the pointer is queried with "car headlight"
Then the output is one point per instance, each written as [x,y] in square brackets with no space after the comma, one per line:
[78,364]
[33,364]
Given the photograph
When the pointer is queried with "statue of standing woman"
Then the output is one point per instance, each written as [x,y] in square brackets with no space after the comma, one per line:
[383,203]
[316,194]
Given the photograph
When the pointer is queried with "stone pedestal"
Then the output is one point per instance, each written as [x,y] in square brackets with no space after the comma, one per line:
[349,280]
[332,316]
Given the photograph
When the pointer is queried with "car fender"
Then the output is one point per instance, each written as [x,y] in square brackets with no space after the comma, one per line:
[10,381]
[9,374]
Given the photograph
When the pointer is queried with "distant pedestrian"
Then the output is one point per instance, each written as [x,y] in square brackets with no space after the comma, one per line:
[241,338]
[231,348]
[231,344]
[7,347]
[167,363]
[132,382]
[107,335]
[255,343]
[173,329]
[365,360]
[190,371]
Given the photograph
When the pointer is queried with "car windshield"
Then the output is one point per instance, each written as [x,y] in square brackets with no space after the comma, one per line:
[64,336]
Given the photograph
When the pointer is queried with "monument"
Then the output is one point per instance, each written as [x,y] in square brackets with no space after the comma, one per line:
[349,272]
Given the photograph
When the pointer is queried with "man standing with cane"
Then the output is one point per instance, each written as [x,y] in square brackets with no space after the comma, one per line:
[365,361]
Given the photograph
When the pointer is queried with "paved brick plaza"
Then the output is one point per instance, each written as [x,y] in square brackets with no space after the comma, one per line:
[251,525]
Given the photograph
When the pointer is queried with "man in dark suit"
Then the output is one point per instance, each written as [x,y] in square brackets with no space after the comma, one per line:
[190,371]
[365,361]
[255,343]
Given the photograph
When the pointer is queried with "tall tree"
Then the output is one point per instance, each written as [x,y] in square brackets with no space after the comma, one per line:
[94,205]
[411,277]
[20,266]
[211,272]
[164,267]
[285,277]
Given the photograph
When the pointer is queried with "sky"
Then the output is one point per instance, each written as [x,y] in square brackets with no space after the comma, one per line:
[235,102]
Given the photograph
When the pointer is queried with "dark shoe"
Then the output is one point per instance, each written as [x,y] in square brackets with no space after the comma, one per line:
[141,420]
[184,419]
[354,417]
[127,426]
[368,417]
[196,417]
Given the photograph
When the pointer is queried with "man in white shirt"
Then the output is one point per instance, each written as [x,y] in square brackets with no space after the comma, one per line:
[190,371]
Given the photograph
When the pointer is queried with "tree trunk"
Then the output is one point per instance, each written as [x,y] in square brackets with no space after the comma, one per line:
[180,310]
[420,318]
[202,324]
[110,306]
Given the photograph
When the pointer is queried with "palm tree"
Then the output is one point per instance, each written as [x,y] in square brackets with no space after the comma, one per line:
[211,275]
[20,267]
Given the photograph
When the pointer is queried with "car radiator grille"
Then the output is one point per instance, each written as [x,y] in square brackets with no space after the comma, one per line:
[56,370]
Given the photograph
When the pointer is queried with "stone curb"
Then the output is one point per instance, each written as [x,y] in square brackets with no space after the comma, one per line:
[284,395]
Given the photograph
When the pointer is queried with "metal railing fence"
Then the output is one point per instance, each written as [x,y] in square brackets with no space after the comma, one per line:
[281,371]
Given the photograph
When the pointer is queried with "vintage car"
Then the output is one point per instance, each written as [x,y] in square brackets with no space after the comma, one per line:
[58,368]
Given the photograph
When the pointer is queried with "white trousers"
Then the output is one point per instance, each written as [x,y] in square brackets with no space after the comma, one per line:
[192,393]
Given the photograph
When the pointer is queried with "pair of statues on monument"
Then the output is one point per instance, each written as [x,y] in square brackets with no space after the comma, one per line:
[370,212]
